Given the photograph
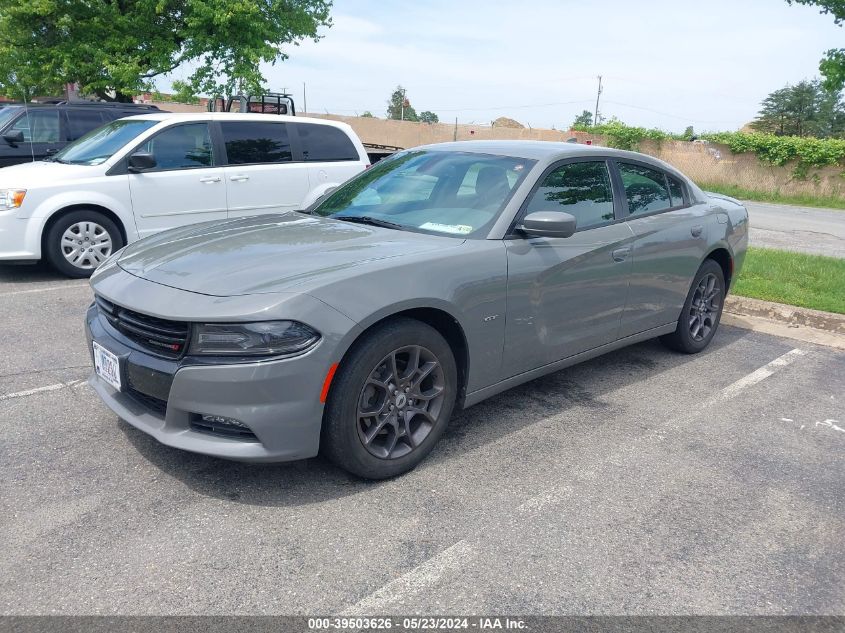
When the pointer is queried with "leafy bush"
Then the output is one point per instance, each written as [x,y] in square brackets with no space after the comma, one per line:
[623,136]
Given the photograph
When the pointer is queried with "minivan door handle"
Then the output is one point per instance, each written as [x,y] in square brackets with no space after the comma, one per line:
[210,179]
[621,254]
[239,178]
[696,230]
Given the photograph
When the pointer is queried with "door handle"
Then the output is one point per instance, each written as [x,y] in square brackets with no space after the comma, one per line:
[210,179]
[239,178]
[696,230]
[621,254]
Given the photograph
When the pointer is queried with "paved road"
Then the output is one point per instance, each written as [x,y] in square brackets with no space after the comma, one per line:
[641,482]
[805,229]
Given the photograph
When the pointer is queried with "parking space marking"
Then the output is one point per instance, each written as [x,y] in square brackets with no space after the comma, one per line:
[35,390]
[48,289]
[761,374]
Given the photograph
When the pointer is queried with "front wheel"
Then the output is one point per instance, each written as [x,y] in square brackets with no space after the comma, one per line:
[702,311]
[390,401]
[80,241]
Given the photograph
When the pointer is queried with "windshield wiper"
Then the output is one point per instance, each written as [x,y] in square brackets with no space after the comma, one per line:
[367,219]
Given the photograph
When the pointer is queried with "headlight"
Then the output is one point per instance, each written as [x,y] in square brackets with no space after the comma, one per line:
[11,198]
[265,338]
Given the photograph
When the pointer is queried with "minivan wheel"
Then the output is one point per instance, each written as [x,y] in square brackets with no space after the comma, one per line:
[702,311]
[80,241]
[390,400]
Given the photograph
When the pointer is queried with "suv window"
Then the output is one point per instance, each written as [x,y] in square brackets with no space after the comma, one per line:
[182,147]
[80,122]
[325,143]
[645,188]
[256,142]
[582,189]
[39,126]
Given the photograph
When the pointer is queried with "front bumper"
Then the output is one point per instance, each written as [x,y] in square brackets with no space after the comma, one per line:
[279,400]
[20,238]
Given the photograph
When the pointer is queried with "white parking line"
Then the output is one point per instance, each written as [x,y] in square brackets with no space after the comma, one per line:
[30,392]
[761,374]
[47,289]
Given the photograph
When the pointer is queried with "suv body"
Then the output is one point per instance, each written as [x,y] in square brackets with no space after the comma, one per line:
[44,129]
[143,174]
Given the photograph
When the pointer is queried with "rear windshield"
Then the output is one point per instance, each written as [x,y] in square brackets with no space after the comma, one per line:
[98,146]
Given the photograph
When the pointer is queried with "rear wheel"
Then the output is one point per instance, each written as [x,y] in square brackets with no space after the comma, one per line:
[702,311]
[390,401]
[80,241]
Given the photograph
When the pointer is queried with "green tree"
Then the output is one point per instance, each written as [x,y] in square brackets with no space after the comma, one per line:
[689,133]
[832,65]
[398,106]
[429,117]
[805,109]
[183,92]
[585,119]
[115,48]
[367,115]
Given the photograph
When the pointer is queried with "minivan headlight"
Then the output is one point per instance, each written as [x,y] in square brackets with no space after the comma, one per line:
[11,198]
[265,338]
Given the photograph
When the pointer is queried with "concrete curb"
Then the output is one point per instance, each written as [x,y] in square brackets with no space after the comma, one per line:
[790,315]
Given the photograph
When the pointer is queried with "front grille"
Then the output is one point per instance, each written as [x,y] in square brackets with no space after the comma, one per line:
[160,336]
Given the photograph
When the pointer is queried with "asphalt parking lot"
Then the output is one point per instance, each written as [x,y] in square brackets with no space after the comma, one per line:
[643,482]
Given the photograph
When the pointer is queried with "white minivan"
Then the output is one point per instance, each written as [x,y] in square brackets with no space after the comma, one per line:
[139,175]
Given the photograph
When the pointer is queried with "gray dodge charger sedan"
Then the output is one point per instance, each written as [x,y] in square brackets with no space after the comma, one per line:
[438,278]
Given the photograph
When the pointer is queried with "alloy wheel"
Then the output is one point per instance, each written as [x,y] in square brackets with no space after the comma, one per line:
[705,306]
[400,402]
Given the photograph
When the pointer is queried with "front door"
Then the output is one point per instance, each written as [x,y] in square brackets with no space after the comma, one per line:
[185,187]
[42,137]
[567,295]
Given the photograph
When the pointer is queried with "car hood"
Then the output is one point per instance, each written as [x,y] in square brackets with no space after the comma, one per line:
[39,173]
[268,253]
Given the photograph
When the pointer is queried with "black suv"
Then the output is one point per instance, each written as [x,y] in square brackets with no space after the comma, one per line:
[35,131]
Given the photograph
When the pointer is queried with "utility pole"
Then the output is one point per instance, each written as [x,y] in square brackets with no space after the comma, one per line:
[402,108]
[304,102]
[598,95]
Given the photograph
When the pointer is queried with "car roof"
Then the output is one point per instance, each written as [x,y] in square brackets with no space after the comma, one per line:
[233,116]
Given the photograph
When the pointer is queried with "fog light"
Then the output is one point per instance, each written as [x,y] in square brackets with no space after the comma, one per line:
[219,419]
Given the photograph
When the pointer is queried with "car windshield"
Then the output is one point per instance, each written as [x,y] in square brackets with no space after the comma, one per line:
[7,113]
[99,145]
[447,193]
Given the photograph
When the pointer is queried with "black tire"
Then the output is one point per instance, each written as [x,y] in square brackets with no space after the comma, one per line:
[344,432]
[697,314]
[94,248]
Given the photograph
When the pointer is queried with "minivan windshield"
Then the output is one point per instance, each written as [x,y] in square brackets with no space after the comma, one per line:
[101,144]
[460,194]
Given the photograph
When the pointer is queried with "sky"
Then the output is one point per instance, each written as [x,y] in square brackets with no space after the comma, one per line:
[665,64]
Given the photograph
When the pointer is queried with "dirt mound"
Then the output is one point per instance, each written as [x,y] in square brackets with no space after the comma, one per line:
[504,121]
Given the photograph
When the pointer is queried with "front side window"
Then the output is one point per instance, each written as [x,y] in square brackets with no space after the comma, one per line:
[676,191]
[448,193]
[250,142]
[325,143]
[181,147]
[581,189]
[645,188]
[101,144]
[39,126]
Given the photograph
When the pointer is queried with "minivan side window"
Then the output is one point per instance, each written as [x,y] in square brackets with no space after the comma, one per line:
[582,189]
[325,143]
[182,147]
[645,188]
[249,142]
[39,126]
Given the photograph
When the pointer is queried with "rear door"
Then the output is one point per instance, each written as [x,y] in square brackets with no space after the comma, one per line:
[185,187]
[671,242]
[261,174]
[567,295]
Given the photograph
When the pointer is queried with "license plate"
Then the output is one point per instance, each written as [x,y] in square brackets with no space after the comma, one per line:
[106,365]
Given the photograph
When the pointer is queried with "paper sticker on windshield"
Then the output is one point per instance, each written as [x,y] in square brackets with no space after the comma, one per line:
[462,229]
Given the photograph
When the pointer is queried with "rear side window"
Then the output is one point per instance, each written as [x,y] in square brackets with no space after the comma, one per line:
[645,188]
[676,191]
[39,126]
[581,189]
[325,143]
[249,142]
[80,122]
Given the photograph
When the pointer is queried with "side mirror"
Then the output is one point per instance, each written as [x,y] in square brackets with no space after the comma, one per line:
[13,138]
[141,161]
[548,224]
